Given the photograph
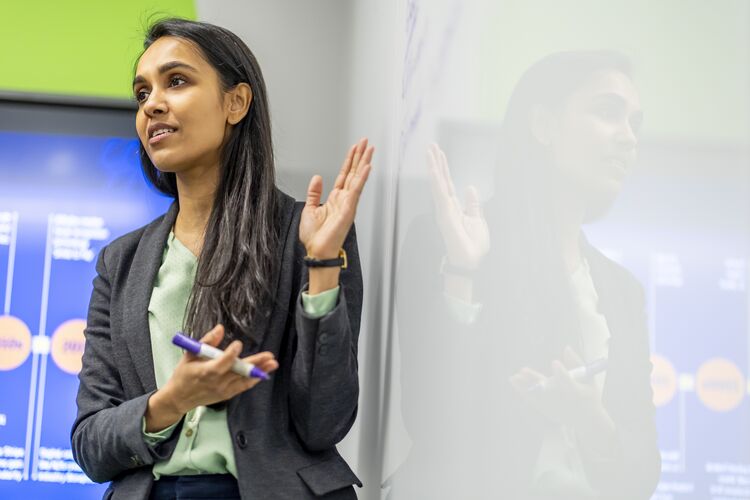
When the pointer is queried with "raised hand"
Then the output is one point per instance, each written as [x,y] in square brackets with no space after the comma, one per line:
[464,230]
[323,228]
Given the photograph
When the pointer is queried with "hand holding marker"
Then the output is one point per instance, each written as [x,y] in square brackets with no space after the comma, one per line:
[206,351]
[580,373]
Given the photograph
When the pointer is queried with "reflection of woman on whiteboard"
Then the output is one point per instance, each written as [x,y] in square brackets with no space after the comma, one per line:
[239,265]
[551,334]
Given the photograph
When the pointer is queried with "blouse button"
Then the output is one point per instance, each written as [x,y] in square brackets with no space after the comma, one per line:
[189,432]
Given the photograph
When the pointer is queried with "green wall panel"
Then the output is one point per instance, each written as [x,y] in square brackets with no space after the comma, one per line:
[80,47]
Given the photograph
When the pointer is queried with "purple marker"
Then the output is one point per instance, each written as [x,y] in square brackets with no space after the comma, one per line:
[206,351]
[581,373]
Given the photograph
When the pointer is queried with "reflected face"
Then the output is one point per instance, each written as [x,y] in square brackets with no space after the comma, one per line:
[593,137]
[182,116]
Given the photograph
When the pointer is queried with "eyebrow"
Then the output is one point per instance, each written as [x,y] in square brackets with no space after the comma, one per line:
[167,66]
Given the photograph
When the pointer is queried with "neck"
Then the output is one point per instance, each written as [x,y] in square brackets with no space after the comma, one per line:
[569,211]
[196,189]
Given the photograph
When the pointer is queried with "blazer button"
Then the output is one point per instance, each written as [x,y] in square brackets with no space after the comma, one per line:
[241,439]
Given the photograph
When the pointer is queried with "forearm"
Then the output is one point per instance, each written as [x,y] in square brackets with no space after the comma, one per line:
[325,384]
[162,411]
[323,278]
[459,287]
[110,441]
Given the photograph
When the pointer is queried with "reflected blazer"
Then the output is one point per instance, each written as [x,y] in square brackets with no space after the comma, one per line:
[284,430]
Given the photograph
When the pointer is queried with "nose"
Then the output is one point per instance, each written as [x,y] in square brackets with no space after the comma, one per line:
[155,104]
[627,137]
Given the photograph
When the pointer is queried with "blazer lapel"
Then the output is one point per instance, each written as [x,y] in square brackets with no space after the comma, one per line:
[140,282]
[612,305]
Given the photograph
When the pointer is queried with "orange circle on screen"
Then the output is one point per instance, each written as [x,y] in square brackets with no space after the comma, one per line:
[720,384]
[663,380]
[67,345]
[15,342]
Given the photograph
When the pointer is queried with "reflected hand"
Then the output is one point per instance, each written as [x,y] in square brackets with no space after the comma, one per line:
[564,400]
[465,231]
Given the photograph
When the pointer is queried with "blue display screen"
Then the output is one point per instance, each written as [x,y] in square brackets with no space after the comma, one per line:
[62,198]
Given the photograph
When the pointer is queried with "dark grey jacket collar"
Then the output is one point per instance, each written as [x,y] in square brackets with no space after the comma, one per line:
[146,262]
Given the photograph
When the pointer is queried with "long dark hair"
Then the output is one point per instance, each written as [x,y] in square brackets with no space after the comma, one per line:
[529,246]
[236,266]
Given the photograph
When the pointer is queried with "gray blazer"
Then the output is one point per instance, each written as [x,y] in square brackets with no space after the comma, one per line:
[284,430]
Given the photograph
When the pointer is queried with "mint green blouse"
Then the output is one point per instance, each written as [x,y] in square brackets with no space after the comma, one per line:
[204,445]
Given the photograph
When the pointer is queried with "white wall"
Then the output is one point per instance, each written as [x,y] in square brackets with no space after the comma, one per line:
[303,50]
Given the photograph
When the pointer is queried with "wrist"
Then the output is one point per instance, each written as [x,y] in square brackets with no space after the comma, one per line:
[162,410]
[322,279]
[459,287]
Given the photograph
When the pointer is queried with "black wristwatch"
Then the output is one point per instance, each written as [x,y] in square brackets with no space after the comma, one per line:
[447,267]
[339,261]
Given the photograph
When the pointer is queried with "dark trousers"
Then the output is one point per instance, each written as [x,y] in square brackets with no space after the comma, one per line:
[202,487]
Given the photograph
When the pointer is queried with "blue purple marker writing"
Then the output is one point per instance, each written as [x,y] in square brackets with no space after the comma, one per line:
[206,351]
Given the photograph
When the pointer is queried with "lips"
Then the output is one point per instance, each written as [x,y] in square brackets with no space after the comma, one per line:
[158,132]
[618,166]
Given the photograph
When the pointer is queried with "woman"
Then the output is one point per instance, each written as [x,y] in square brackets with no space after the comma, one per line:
[226,264]
[523,298]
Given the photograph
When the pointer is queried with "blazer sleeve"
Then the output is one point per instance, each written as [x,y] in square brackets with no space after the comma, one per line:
[324,388]
[107,438]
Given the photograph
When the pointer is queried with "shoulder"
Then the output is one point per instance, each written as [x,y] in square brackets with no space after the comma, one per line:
[121,249]
[616,275]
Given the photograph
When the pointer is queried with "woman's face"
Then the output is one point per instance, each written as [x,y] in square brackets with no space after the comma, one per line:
[182,113]
[592,138]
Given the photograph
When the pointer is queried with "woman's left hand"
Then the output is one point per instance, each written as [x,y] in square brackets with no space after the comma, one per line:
[323,228]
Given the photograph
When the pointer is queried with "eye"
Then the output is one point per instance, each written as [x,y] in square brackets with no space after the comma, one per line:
[141,95]
[607,112]
[176,81]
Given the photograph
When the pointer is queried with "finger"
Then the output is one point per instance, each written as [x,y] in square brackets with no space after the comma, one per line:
[269,366]
[526,378]
[473,208]
[214,336]
[532,375]
[367,158]
[358,184]
[239,385]
[355,181]
[314,192]
[571,358]
[259,357]
[439,183]
[224,363]
[450,188]
[433,169]
[339,183]
[263,360]
[358,153]
[561,373]
[446,172]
